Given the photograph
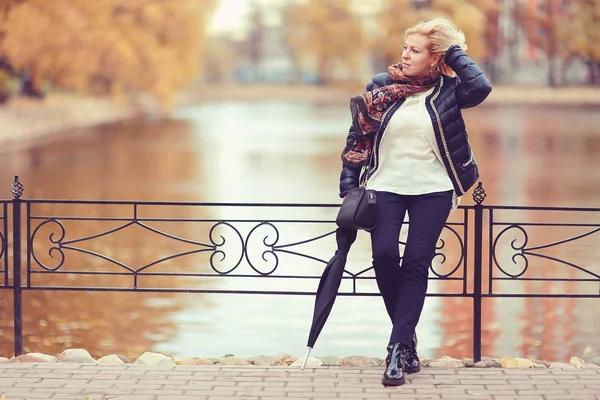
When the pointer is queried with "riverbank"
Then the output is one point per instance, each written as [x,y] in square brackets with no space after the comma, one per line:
[24,120]
[563,96]
[287,360]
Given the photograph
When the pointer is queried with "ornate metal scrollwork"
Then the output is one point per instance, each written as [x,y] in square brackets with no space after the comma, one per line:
[438,253]
[270,248]
[479,194]
[522,251]
[2,249]
[218,245]
[518,248]
[17,188]
[53,240]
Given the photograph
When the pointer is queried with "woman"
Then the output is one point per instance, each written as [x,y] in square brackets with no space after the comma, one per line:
[408,142]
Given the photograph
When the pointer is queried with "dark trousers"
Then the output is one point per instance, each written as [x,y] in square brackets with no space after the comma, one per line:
[403,288]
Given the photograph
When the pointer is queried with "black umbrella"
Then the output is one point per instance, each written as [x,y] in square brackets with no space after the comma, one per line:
[329,285]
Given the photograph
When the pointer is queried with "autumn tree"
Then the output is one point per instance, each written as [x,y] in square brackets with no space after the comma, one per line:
[5,6]
[109,46]
[395,17]
[492,36]
[219,59]
[469,18]
[540,23]
[256,38]
[328,35]
[581,34]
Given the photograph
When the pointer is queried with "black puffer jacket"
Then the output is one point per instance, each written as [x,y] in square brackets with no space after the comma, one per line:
[469,88]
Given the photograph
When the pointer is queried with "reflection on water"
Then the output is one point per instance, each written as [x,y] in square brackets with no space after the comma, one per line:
[286,152]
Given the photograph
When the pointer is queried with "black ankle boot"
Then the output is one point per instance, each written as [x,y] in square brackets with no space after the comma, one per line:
[412,363]
[394,375]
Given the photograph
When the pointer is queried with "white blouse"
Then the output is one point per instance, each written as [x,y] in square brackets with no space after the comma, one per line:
[410,162]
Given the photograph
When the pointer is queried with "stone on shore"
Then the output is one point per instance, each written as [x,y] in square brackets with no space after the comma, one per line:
[284,359]
[287,360]
[594,360]
[232,360]
[468,362]
[516,363]
[491,362]
[577,362]
[76,356]
[124,359]
[154,359]
[46,357]
[379,361]
[446,362]
[311,362]
[329,361]
[560,365]
[111,359]
[263,361]
[591,366]
[195,361]
[487,362]
[26,358]
[356,361]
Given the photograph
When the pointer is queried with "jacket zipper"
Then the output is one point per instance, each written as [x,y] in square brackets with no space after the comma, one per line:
[469,161]
[443,136]
[375,139]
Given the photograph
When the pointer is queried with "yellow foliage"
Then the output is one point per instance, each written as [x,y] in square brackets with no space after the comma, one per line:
[392,25]
[581,32]
[469,15]
[6,5]
[327,34]
[219,60]
[108,46]
[469,18]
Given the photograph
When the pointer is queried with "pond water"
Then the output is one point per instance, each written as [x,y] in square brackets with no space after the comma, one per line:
[288,152]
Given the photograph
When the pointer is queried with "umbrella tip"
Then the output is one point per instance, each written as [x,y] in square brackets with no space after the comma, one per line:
[306,357]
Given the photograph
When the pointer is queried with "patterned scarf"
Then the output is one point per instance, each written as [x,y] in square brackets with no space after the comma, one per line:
[369,108]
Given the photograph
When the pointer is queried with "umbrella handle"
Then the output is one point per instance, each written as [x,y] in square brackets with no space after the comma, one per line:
[306,358]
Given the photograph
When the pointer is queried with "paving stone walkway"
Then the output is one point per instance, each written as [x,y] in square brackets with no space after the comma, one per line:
[145,382]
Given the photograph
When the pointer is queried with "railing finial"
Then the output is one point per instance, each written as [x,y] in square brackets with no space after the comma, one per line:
[479,194]
[17,188]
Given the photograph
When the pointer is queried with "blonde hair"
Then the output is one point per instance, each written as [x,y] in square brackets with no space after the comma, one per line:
[442,34]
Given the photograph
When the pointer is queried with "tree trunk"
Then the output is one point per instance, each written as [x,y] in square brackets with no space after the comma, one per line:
[552,71]
[490,68]
[32,84]
[296,72]
[594,73]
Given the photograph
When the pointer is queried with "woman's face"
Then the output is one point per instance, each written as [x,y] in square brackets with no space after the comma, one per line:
[417,60]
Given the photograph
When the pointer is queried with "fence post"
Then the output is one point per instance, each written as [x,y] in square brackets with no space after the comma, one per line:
[17,190]
[478,196]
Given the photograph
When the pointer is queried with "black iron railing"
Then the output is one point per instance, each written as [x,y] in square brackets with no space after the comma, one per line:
[281,249]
